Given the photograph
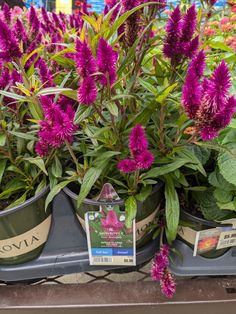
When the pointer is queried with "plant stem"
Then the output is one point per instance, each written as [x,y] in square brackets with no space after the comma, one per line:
[78,167]
[161,129]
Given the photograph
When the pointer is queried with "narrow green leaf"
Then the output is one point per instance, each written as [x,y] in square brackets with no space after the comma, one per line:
[26,136]
[3,138]
[172,208]
[159,171]
[38,162]
[89,180]
[2,168]
[131,210]
[54,191]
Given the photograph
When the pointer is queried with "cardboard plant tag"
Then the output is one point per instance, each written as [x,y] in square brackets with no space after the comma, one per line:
[109,241]
[206,240]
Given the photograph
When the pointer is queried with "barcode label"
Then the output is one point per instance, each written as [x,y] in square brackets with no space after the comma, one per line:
[102,259]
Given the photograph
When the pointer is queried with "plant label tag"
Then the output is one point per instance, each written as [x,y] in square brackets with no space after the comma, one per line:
[227,239]
[109,241]
[206,240]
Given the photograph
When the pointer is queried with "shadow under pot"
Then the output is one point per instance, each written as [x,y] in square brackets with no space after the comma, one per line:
[146,211]
[207,243]
[24,230]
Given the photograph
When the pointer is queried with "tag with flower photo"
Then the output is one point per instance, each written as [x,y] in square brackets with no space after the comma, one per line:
[109,241]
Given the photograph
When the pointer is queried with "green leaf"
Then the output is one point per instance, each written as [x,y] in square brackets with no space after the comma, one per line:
[148,86]
[56,168]
[82,113]
[3,138]
[223,196]
[54,191]
[144,193]
[26,136]
[38,162]
[162,97]
[19,201]
[172,208]
[53,91]
[220,45]
[72,94]
[113,109]
[216,179]
[227,164]
[131,210]
[2,168]
[41,186]
[228,206]
[159,171]
[12,95]
[89,180]
[191,158]
[104,158]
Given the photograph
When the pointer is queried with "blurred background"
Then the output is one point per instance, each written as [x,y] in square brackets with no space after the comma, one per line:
[67,6]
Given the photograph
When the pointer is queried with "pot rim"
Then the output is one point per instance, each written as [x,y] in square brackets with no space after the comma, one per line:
[202,220]
[31,200]
[89,201]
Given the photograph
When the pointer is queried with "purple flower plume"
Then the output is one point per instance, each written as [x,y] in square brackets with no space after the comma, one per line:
[137,141]
[106,60]
[87,92]
[45,74]
[207,101]
[56,128]
[7,13]
[142,159]
[20,32]
[85,61]
[179,42]
[132,24]
[127,165]
[168,285]
[130,4]
[159,272]
[33,20]
[189,24]
[8,44]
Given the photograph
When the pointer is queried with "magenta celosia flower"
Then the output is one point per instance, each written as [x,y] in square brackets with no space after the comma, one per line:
[8,44]
[58,22]
[189,24]
[207,101]
[19,31]
[15,77]
[168,285]
[161,4]
[106,60]
[130,4]
[87,92]
[45,16]
[160,263]
[213,2]
[142,159]
[33,20]
[56,128]
[5,78]
[7,13]
[127,165]
[85,61]
[145,160]
[137,141]
[45,74]
[180,30]
[111,222]
[173,30]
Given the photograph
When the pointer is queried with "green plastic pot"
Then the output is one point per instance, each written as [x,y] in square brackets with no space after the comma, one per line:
[24,230]
[146,211]
[194,224]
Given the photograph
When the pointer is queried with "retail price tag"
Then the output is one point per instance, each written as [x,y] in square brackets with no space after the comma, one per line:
[109,241]
[226,239]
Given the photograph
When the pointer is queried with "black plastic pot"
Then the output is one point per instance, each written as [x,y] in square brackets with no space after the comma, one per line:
[197,224]
[146,211]
[24,230]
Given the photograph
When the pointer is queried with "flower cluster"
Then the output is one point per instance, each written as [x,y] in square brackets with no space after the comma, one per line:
[56,128]
[87,66]
[142,158]
[179,42]
[207,101]
[159,272]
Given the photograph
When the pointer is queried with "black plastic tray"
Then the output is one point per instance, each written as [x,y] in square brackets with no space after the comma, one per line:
[185,264]
[66,249]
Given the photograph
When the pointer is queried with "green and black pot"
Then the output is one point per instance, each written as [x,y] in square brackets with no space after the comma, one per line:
[190,224]
[24,230]
[146,211]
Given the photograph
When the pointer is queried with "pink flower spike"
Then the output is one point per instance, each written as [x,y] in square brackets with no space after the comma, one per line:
[168,285]
[145,160]
[137,141]
[127,165]
[87,92]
